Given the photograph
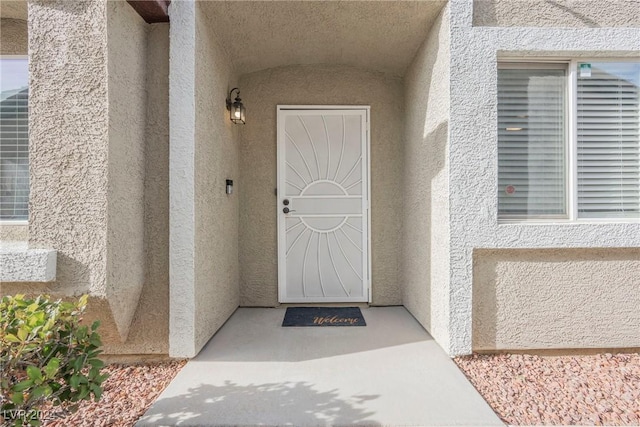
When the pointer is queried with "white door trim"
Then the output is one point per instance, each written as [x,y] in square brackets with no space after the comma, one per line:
[367,193]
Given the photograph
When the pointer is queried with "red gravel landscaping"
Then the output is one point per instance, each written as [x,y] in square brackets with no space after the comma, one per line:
[128,393]
[601,389]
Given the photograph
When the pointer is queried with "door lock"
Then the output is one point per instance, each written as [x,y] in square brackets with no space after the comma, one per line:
[285,202]
[287,210]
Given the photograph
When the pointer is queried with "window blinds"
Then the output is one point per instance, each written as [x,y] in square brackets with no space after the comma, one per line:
[14,156]
[531,142]
[609,141]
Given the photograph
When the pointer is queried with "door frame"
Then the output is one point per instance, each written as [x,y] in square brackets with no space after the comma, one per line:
[280,109]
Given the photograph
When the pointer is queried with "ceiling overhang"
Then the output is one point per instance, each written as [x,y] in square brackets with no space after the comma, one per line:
[377,35]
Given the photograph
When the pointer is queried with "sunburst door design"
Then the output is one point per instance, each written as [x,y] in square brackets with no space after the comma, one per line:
[323,205]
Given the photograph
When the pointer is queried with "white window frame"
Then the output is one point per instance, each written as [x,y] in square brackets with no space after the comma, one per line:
[571,141]
[9,222]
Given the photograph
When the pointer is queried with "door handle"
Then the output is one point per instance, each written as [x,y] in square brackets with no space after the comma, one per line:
[287,210]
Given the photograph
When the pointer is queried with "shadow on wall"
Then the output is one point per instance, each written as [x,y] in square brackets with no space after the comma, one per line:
[287,403]
[582,18]
[485,14]
[425,150]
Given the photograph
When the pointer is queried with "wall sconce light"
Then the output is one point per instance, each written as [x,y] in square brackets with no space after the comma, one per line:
[236,108]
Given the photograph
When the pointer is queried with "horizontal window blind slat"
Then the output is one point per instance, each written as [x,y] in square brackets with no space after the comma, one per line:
[608,141]
[531,144]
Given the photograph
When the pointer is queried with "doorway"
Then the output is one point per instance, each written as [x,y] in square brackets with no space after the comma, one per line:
[323,204]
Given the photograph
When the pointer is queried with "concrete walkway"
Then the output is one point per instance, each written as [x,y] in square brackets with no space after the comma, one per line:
[255,372]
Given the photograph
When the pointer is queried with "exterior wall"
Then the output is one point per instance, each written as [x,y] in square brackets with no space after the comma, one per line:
[217,272]
[69,138]
[126,67]
[425,237]
[317,85]
[569,298]
[93,55]
[473,154]
[203,153]
[14,232]
[562,13]
[149,332]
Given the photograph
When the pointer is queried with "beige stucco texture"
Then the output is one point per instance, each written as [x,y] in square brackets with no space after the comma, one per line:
[317,85]
[556,13]
[99,156]
[381,36]
[425,214]
[560,298]
[216,213]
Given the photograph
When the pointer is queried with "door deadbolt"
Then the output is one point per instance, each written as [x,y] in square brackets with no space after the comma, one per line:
[285,202]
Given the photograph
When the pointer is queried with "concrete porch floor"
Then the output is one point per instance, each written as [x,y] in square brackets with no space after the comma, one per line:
[255,372]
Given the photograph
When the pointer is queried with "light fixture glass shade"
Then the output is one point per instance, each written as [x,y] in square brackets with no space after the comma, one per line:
[237,112]
[236,108]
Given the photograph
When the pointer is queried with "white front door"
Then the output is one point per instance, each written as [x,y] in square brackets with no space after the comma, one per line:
[323,204]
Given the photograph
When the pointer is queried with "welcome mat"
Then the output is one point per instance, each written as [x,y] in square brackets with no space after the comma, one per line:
[323,316]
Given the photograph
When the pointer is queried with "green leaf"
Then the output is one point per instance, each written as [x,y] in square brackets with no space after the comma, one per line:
[23,333]
[97,391]
[96,363]
[52,367]
[95,325]
[22,385]
[34,373]
[40,391]
[84,392]
[93,372]
[11,338]
[81,333]
[100,378]
[74,381]
[17,398]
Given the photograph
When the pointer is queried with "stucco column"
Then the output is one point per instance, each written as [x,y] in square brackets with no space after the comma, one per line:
[182,114]
[86,123]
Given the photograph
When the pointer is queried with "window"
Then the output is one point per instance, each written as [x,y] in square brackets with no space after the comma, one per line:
[14,138]
[569,140]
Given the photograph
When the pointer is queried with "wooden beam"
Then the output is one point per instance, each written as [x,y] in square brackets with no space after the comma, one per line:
[152,11]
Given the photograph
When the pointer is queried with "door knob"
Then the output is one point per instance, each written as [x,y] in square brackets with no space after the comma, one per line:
[287,210]
[285,202]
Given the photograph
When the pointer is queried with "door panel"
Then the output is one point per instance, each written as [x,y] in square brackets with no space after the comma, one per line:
[323,212]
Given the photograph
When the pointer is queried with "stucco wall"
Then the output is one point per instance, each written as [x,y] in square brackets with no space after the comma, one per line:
[317,85]
[126,68]
[473,151]
[203,154]
[569,298]
[90,104]
[556,13]
[425,213]
[149,332]
[217,292]
[69,140]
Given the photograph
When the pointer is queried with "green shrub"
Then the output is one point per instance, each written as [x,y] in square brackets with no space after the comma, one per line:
[46,356]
